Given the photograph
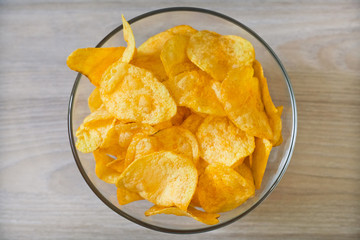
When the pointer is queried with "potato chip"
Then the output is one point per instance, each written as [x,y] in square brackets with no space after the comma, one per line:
[245,171]
[240,95]
[104,172]
[277,126]
[272,112]
[133,94]
[151,63]
[222,189]
[180,141]
[94,100]
[154,44]
[125,196]
[92,62]
[140,146]
[129,38]
[204,217]
[217,54]
[148,54]
[181,114]
[92,132]
[193,122]
[163,178]
[173,55]
[129,130]
[195,90]
[163,125]
[117,165]
[220,141]
[200,167]
[260,158]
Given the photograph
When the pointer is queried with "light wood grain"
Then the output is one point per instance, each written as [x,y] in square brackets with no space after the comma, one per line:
[42,194]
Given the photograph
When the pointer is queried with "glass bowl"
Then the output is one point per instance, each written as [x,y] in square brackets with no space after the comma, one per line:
[280,88]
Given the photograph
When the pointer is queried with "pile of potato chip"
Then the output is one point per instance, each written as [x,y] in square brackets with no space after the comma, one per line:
[184,121]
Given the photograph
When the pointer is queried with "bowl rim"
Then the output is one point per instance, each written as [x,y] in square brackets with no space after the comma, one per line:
[221,224]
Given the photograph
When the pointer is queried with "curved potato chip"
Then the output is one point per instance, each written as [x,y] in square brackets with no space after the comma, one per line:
[276,125]
[154,44]
[240,95]
[200,167]
[180,141]
[129,130]
[140,146]
[222,189]
[181,114]
[133,94]
[245,171]
[129,38]
[94,129]
[195,90]
[92,62]
[173,55]
[117,165]
[125,196]
[260,158]
[193,122]
[272,112]
[119,137]
[163,125]
[217,54]
[151,63]
[94,100]
[163,178]
[204,217]
[104,172]
[220,141]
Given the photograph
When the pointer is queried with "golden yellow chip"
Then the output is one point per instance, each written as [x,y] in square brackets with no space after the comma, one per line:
[181,114]
[104,172]
[195,90]
[193,122]
[133,94]
[204,217]
[260,157]
[222,189]
[129,38]
[140,146]
[151,63]
[173,55]
[148,54]
[92,62]
[277,126]
[154,44]
[163,125]
[163,178]
[117,165]
[217,54]
[245,171]
[180,141]
[220,141]
[125,196]
[110,143]
[240,95]
[200,167]
[272,112]
[128,131]
[94,100]
[92,132]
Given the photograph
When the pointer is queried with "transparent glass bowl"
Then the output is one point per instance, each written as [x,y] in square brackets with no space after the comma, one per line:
[145,26]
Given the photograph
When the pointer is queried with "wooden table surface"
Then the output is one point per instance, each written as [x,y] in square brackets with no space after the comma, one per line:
[43,195]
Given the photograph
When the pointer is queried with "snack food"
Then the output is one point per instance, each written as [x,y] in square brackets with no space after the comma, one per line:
[184,121]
